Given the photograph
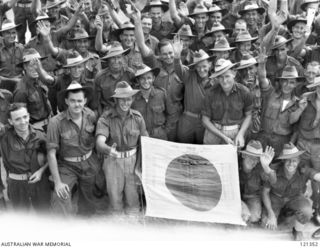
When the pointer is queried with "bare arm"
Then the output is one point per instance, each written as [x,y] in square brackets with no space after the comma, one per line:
[73,20]
[144,49]
[295,115]
[174,13]
[182,72]
[272,219]
[262,72]
[43,75]
[45,32]
[104,148]
[99,46]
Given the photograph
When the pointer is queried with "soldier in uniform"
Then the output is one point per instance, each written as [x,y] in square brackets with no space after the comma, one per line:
[151,102]
[32,89]
[24,157]
[118,132]
[72,160]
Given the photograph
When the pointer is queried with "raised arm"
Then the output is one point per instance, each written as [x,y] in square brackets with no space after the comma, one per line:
[262,72]
[45,32]
[180,70]
[144,49]
[174,13]
[99,46]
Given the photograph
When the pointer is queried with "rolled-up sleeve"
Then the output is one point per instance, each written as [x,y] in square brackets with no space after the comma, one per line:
[53,134]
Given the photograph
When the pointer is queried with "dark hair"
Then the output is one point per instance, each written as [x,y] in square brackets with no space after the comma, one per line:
[163,43]
[14,107]
[75,92]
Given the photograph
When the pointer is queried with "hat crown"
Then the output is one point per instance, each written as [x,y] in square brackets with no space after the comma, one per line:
[200,8]
[279,39]
[222,43]
[8,24]
[79,34]
[251,6]
[142,69]
[290,72]
[221,64]
[155,2]
[103,10]
[73,58]
[74,85]
[254,146]
[29,54]
[245,35]
[127,25]
[215,8]
[246,60]
[217,27]
[288,150]
[115,47]
[199,55]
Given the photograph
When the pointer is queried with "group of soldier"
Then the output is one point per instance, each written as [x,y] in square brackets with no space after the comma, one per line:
[97,75]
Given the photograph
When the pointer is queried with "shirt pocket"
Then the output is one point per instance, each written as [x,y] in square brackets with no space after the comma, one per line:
[217,110]
[159,118]
[88,136]
[34,101]
[69,137]
[272,110]
[236,110]
[133,137]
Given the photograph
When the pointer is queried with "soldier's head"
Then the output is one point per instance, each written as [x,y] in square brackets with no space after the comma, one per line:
[223,4]
[225,74]
[312,71]
[18,117]
[31,62]
[146,76]
[201,63]
[289,80]
[146,22]
[105,16]
[166,53]
[75,65]
[53,8]
[251,13]
[124,96]
[186,36]
[9,32]
[247,70]
[251,155]
[87,4]
[216,14]
[240,26]
[281,47]
[80,39]
[200,16]
[126,35]
[291,158]
[76,96]
[115,56]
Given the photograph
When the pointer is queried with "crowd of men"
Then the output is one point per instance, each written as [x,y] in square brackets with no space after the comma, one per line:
[97,75]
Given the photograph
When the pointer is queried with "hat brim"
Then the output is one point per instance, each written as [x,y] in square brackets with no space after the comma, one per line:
[6,29]
[118,31]
[289,156]
[294,22]
[223,11]
[20,64]
[164,7]
[88,93]
[246,66]
[77,63]
[193,64]
[297,78]
[253,39]
[81,38]
[227,30]
[281,44]
[222,49]
[260,11]
[303,6]
[215,2]
[124,52]
[251,153]
[50,19]
[124,95]
[199,13]
[186,35]
[216,74]
[55,4]
[155,72]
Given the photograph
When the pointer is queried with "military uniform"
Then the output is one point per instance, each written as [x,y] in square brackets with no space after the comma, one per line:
[120,177]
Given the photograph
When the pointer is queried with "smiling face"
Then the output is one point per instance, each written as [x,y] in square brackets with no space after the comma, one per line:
[203,68]
[156,14]
[244,47]
[291,165]
[200,21]
[76,71]
[249,161]
[251,17]
[127,38]
[281,52]
[76,102]
[167,54]
[9,36]
[81,45]
[124,104]
[288,85]
[226,80]
[19,119]
[298,30]
[146,23]
[116,63]
[146,80]
[30,69]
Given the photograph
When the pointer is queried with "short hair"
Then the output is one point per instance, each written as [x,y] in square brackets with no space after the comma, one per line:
[163,43]
[75,92]
[313,64]
[145,15]
[240,21]
[14,107]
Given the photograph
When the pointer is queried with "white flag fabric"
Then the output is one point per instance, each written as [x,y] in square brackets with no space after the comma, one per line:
[191,182]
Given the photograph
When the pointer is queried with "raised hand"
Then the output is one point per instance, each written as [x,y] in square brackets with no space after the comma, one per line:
[183,9]
[177,46]
[43,29]
[262,57]
[266,158]
[98,22]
